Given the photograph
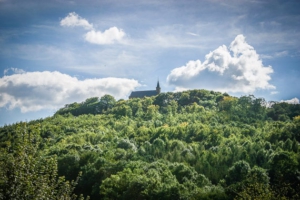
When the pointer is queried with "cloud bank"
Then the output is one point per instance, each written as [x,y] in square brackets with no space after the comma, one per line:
[237,68]
[109,36]
[33,91]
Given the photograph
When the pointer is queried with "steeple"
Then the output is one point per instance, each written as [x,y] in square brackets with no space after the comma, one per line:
[158,88]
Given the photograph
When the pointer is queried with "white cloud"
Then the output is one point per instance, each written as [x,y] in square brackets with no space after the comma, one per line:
[281,54]
[74,19]
[237,68]
[291,101]
[32,91]
[275,55]
[109,36]
[13,71]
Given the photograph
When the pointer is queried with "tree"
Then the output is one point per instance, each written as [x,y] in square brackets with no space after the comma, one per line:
[26,174]
[163,100]
[284,173]
[106,102]
[228,104]
[140,180]
[152,112]
[246,183]
[236,175]
[280,111]
[122,109]
[256,186]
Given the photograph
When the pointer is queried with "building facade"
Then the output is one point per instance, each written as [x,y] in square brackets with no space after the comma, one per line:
[145,93]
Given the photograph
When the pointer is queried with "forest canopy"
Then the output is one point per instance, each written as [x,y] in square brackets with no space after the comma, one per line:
[195,144]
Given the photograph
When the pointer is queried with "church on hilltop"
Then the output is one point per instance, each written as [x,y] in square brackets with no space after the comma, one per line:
[145,93]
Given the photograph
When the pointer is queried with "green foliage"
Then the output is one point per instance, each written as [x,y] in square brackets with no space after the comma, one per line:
[284,171]
[283,111]
[194,144]
[27,174]
[141,181]
[238,172]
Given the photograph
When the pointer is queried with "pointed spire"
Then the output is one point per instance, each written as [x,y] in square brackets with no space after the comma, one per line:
[158,87]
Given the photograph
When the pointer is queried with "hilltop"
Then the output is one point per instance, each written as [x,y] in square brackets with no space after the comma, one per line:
[195,144]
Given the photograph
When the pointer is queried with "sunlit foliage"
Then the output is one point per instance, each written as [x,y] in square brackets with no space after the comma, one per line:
[195,144]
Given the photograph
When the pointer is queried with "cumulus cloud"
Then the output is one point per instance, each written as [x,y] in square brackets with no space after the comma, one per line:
[291,101]
[74,19]
[236,68]
[108,36]
[32,91]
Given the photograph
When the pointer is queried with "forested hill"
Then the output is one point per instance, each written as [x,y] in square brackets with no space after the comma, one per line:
[195,144]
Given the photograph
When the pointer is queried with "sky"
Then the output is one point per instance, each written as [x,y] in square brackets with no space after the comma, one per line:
[57,52]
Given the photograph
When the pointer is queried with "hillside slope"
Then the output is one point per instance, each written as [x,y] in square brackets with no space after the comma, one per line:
[195,144]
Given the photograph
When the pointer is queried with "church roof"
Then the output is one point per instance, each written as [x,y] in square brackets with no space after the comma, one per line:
[145,93]
[141,94]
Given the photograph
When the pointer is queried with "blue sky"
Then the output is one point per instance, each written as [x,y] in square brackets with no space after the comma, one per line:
[57,52]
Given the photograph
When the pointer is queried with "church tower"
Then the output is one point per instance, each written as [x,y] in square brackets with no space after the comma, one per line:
[158,88]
